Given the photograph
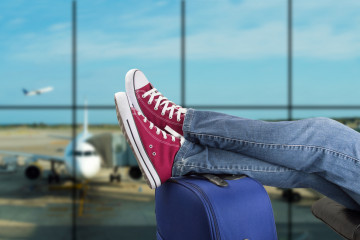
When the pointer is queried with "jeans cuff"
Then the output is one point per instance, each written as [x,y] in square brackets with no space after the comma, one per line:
[189,116]
[179,158]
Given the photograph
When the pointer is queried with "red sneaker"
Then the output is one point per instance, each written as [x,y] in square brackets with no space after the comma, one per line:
[157,108]
[154,149]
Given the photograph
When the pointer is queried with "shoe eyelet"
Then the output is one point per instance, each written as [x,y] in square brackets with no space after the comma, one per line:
[150,146]
[173,140]
[143,96]
[154,153]
[155,108]
[162,113]
[149,102]
[178,120]
[170,117]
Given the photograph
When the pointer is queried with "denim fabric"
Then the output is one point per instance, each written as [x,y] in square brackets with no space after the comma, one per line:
[317,153]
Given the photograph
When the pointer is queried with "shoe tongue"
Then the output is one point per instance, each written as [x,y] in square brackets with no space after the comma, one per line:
[148,87]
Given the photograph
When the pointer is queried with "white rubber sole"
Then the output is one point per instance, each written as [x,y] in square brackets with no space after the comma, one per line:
[130,88]
[129,129]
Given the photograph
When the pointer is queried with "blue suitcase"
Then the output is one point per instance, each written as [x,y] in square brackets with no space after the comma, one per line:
[194,208]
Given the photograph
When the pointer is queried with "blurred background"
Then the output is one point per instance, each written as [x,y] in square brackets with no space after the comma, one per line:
[62,61]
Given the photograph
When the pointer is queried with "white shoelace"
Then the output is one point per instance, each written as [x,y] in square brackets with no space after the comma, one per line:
[158,131]
[161,100]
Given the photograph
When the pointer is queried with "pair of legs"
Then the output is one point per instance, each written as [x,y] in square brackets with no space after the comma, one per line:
[317,153]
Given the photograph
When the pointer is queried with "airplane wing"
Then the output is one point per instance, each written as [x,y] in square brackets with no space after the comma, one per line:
[34,156]
[61,136]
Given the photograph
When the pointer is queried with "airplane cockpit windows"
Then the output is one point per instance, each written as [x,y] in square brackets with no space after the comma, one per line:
[77,153]
[90,153]
[84,153]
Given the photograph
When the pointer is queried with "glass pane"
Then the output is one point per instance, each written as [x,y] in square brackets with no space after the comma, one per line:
[115,36]
[304,224]
[34,205]
[35,45]
[326,52]
[266,114]
[236,52]
[340,115]
[118,201]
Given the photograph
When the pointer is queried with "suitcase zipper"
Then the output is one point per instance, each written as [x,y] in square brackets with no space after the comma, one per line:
[211,208]
[206,199]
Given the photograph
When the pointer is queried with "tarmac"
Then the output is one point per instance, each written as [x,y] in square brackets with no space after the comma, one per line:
[104,210]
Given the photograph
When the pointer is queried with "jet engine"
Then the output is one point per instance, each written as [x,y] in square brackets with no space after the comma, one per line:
[135,172]
[33,171]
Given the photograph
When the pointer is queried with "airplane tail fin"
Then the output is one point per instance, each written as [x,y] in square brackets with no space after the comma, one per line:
[25,91]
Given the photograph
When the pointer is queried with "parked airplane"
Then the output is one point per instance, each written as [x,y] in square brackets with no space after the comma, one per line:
[83,162]
[91,153]
[38,91]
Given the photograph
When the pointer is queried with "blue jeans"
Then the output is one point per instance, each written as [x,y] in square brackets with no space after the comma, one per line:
[317,153]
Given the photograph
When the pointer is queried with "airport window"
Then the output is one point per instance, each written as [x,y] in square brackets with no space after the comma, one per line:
[63,61]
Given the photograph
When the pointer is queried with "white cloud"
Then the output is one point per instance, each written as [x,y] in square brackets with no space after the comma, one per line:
[16,21]
[59,26]
[41,48]
[161,3]
[264,41]
[321,41]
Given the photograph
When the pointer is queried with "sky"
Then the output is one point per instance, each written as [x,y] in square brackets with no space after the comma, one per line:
[236,53]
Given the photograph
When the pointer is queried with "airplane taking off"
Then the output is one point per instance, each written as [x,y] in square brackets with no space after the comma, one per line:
[38,91]
[83,160]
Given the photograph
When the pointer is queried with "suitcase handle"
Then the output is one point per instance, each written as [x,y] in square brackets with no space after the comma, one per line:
[219,180]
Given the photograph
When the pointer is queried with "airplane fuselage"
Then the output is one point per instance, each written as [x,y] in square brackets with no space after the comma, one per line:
[84,162]
[38,92]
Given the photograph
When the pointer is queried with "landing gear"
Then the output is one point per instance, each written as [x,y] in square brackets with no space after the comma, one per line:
[53,176]
[115,175]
